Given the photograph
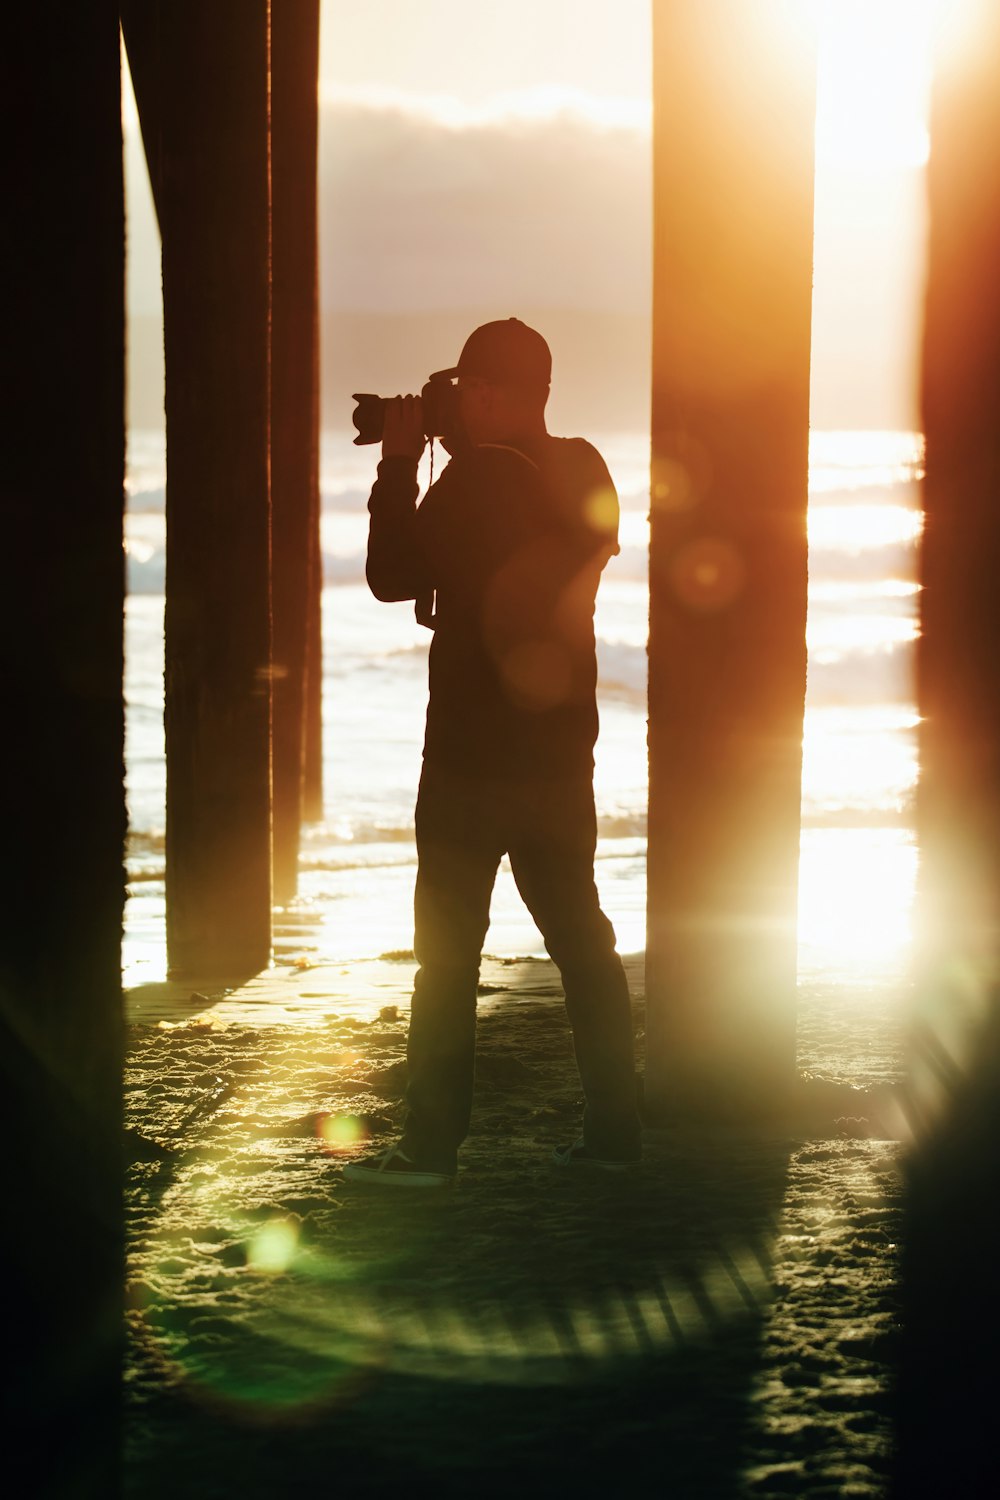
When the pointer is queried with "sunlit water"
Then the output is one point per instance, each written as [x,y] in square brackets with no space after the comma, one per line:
[858,854]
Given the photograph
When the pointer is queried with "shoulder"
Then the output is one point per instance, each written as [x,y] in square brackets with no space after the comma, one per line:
[583,490]
[584,461]
[490,469]
[472,465]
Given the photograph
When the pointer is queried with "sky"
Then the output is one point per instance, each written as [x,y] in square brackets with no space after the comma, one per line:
[483,56]
[484,159]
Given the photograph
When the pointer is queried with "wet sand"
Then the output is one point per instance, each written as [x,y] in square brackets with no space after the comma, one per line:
[723,1322]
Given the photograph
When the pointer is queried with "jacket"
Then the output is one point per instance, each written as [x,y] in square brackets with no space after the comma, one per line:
[503,558]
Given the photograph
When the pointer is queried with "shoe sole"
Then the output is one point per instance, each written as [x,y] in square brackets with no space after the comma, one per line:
[592,1164]
[425,1180]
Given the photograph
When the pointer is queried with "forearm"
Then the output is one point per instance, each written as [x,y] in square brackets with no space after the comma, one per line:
[396,568]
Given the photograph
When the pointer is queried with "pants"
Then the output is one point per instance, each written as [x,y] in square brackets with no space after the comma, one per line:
[464,827]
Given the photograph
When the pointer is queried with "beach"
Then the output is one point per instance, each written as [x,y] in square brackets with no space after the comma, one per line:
[721,1322]
[357,865]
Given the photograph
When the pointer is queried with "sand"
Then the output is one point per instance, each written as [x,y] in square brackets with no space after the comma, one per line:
[722,1322]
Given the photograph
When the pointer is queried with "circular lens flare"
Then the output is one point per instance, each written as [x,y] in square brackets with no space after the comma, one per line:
[272,1249]
[341,1133]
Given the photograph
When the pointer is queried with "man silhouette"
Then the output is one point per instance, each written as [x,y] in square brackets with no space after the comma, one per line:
[503,558]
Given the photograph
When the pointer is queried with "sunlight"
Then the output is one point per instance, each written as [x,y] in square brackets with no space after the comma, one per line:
[874,76]
[859,759]
[855,913]
[854,528]
[853,460]
[828,639]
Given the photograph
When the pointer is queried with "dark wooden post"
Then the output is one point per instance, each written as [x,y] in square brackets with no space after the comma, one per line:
[201,77]
[734,103]
[294,408]
[312,803]
[958,657]
[951,1323]
[62,803]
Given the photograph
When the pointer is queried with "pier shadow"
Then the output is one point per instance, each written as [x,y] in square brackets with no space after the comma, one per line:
[533,1333]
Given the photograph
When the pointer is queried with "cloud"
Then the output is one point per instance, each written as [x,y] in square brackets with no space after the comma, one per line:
[425,210]
[541,104]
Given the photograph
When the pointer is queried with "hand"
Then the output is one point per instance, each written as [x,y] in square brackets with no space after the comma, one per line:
[403,432]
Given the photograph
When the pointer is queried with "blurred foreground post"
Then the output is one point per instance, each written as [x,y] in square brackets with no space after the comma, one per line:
[294,412]
[201,78]
[63,802]
[734,106]
[947,1386]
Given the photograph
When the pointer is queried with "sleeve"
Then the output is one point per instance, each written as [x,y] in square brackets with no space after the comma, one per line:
[396,567]
[600,508]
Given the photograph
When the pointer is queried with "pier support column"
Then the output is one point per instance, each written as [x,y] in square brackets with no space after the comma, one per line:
[62,801]
[312,792]
[951,1323]
[734,107]
[201,77]
[294,410]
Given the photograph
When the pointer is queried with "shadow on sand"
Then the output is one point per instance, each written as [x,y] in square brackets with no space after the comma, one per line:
[533,1333]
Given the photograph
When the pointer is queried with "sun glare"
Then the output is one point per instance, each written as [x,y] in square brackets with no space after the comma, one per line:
[874,80]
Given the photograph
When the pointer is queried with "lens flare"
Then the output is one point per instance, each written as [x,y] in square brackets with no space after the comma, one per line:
[601,509]
[341,1133]
[537,674]
[707,574]
[272,1249]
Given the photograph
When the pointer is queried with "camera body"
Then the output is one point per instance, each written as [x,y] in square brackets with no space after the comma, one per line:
[439,404]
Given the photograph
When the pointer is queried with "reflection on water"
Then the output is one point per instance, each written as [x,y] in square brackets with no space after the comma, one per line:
[859,753]
[859,765]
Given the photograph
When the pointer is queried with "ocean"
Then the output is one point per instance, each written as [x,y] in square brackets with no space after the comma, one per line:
[858,849]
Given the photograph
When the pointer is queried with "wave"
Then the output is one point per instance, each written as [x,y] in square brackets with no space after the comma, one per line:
[363,831]
[630,563]
[145,572]
[148,498]
[146,564]
[881,674]
[868,676]
[622,669]
[864,675]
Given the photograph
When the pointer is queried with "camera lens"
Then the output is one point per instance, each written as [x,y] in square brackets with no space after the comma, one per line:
[368,417]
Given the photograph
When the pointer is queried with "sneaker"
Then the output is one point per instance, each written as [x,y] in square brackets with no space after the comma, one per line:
[580,1155]
[395,1169]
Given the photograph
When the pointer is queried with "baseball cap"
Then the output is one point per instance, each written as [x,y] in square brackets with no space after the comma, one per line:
[506,352]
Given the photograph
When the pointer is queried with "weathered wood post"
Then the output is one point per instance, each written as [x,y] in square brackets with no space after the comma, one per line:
[294,410]
[734,103]
[62,800]
[952,1242]
[312,793]
[201,77]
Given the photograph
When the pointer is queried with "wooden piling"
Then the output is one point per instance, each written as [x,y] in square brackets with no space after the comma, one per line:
[203,100]
[950,1324]
[734,105]
[957,655]
[294,411]
[312,791]
[62,804]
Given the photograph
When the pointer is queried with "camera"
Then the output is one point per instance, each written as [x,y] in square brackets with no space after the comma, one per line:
[439,404]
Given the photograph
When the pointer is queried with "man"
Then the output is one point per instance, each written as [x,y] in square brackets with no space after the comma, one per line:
[503,558]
